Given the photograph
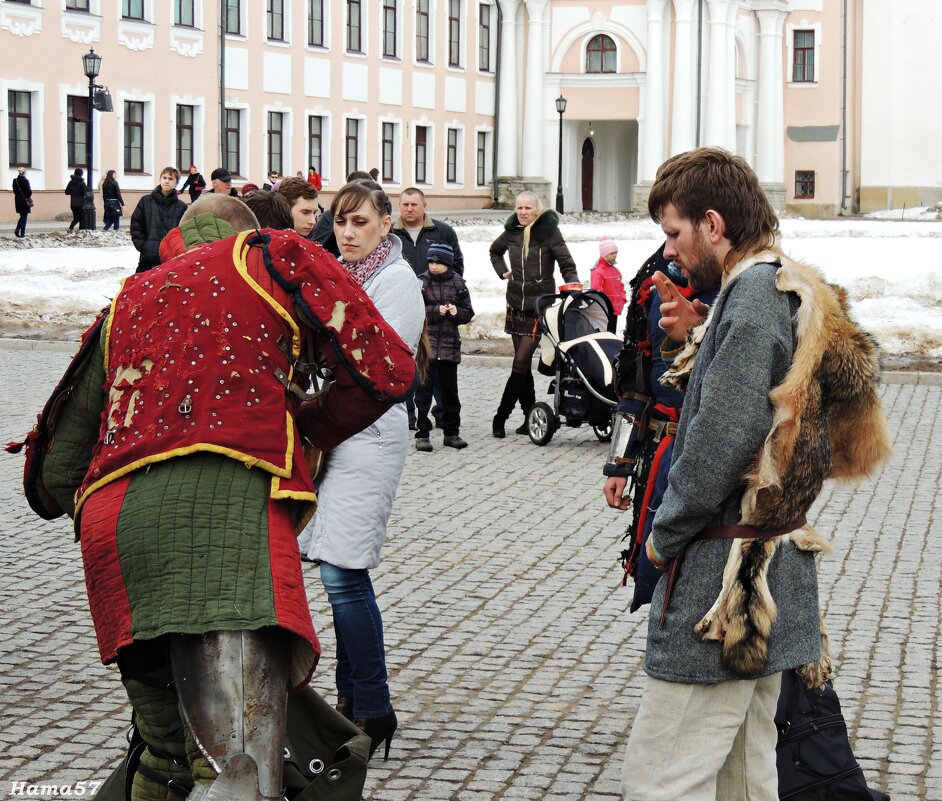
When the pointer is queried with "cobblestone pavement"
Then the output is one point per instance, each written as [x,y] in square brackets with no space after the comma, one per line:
[515,667]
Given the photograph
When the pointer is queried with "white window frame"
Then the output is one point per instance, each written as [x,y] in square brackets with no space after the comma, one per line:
[199,128]
[429,153]
[790,29]
[462,64]
[400,27]
[37,126]
[584,54]
[396,122]
[459,180]
[488,132]
[94,8]
[286,143]
[144,179]
[492,49]
[245,138]
[432,37]
[197,17]
[286,13]
[327,7]
[361,142]
[326,125]
[148,15]
[364,30]
[243,22]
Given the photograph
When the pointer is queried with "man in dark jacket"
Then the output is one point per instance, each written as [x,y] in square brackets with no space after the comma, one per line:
[417,231]
[155,216]
[221,179]
[76,190]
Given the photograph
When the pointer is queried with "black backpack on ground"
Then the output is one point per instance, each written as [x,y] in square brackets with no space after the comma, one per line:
[815,760]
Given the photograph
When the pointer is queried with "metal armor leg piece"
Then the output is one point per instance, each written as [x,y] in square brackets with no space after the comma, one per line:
[233,690]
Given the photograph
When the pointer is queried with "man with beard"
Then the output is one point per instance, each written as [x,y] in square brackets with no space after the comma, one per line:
[780,394]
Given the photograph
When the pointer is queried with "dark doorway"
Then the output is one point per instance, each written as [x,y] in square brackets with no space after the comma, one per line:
[588,171]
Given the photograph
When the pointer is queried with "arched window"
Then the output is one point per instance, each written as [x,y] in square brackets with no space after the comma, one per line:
[600,54]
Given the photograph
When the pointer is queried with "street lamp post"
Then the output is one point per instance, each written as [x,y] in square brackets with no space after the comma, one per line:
[91,63]
[561,108]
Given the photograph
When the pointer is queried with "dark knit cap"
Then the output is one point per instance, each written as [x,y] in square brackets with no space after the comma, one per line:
[442,253]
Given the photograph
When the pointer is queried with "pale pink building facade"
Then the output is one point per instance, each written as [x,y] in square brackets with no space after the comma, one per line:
[448,94]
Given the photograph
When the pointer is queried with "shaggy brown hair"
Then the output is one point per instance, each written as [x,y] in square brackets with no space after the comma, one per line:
[293,189]
[271,209]
[713,178]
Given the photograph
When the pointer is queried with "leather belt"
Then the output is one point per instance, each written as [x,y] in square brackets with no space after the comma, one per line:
[662,427]
[732,532]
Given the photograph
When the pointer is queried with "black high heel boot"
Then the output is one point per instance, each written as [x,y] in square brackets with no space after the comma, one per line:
[379,729]
[506,406]
[527,397]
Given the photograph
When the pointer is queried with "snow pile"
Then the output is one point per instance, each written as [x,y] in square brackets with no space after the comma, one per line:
[52,285]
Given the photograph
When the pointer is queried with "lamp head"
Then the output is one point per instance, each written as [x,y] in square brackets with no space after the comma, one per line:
[561,104]
[91,63]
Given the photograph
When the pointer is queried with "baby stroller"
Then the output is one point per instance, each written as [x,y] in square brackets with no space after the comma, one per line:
[577,348]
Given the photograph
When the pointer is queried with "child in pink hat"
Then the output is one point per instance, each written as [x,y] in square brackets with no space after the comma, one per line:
[605,276]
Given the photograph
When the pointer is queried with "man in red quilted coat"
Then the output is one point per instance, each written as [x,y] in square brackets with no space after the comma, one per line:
[182,462]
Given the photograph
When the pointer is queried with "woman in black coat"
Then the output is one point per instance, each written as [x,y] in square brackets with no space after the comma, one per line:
[23,200]
[114,203]
[533,244]
[76,192]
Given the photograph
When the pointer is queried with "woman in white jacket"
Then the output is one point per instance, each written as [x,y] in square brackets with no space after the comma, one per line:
[356,492]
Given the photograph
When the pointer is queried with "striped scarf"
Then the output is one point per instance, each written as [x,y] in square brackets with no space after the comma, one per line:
[365,269]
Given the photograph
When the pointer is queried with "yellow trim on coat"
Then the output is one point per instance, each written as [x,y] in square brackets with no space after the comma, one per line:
[106,344]
[238,259]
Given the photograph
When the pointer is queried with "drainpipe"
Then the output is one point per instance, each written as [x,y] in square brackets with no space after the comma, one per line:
[496,195]
[699,66]
[222,84]
[844,112]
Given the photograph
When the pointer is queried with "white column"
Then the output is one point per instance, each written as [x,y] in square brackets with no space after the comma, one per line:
[732,14]
[509,103]
[685,96]
[653,136]
[715,128]
[770,128]
[535,111]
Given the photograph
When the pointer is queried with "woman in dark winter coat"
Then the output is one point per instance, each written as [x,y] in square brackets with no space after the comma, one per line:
[22,199]
[76,191]
[155,216]
[114,203]
[533,243]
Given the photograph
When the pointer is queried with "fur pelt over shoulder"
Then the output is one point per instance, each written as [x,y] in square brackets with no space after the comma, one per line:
[828,422]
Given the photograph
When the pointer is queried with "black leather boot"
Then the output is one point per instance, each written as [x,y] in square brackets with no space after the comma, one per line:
[527,397]
[506,406]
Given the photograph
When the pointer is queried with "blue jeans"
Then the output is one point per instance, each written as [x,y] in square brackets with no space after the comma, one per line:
[361,653]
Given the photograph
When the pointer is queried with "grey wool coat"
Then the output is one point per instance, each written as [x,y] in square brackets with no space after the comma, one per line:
[746,352]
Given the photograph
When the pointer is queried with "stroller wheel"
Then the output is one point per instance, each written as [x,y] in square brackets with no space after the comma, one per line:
[541,423]
[604,431]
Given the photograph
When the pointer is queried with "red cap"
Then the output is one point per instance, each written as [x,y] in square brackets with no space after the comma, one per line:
[194,167]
